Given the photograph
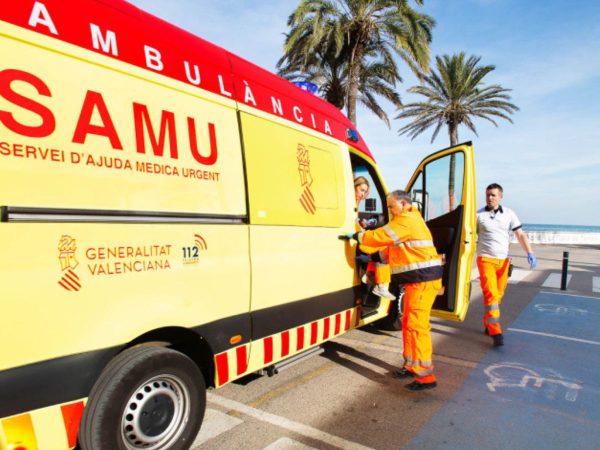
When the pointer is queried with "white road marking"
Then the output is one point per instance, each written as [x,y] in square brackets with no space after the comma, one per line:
[560,310]
[518,275]
[517,375]
[595,284]
[554,279]
[286,443]
[569,295]
[291,425]
[556,336]
[215,423]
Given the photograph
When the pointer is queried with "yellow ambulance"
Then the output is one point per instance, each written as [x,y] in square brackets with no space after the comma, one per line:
[169,221]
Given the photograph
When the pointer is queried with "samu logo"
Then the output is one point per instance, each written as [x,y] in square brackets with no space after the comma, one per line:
[191,254]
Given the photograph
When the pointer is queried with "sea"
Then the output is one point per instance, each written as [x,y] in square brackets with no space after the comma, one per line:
[561,234]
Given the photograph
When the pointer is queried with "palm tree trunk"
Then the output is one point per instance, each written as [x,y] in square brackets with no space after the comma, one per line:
[453,131]
[353,80]
[352,94]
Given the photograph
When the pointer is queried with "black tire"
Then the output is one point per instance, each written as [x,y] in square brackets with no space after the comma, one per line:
[146,398]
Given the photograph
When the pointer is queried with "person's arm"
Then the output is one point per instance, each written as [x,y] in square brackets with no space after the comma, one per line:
[523,240]
[380,237]
[526,246]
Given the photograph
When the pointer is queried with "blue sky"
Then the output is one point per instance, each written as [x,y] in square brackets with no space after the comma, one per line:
[546,51]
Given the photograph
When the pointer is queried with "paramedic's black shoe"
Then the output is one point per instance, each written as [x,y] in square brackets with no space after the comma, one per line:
[402,373]
[498,340]
[417,386]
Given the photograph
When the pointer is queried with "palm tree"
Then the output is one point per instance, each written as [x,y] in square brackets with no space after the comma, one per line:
[322,66]
[378,78]
[455,95]
[357,30]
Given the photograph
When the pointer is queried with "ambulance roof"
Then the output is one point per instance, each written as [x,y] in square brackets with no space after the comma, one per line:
[120,30]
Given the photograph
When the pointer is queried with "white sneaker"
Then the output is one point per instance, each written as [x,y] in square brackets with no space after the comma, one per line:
[381,290]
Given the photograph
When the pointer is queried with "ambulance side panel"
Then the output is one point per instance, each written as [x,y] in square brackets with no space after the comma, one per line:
[298,204]
[124,211]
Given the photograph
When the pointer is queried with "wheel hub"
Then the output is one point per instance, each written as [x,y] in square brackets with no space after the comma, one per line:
[155,414]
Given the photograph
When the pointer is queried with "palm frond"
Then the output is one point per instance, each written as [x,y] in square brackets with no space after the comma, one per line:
[454,94]
[357,41]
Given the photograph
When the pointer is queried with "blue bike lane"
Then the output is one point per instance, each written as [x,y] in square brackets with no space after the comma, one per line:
[540,390]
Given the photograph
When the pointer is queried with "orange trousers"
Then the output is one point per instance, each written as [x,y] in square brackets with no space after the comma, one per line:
[493,276]
[383,274]
[418,300]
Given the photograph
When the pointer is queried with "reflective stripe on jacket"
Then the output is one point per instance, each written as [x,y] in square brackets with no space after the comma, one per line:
[409,247]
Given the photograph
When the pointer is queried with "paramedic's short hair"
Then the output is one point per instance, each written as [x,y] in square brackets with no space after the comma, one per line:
[400,195]
[495,186]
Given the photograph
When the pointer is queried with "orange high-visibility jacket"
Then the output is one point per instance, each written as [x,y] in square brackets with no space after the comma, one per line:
[410,250]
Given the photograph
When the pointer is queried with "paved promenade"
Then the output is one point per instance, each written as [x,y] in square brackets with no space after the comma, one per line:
[541,390]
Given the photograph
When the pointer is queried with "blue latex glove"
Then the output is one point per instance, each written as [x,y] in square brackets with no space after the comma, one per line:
[531,260]
[346,237]
[362,259]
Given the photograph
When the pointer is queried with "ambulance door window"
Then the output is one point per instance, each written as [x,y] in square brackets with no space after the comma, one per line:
[435,191]
[372,208]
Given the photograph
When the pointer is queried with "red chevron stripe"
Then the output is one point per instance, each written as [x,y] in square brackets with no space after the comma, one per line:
[222,368]
[338,323]
[314,329]
[299,338]
[268,343]
[71,414]
[326,328]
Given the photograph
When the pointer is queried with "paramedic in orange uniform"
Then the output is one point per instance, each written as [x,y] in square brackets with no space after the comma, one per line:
[414,263]
[494,224]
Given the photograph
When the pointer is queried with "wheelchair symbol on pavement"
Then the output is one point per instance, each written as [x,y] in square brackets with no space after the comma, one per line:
[515,375]
[561,310]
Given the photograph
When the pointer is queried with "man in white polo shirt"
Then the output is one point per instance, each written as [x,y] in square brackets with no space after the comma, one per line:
[494,224]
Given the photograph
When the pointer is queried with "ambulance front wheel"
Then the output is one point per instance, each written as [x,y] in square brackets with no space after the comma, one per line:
[146,398]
